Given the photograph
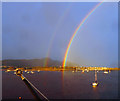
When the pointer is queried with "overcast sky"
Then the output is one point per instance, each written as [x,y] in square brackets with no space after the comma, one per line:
[31,30]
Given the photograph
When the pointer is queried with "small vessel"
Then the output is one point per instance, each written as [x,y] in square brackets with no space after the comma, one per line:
[73,71]
[28,72]
[105,72]
[8,70]
[94,84]
[32,72]
[82,71]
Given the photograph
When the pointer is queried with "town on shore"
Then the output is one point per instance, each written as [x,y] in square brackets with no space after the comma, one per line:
[39,68]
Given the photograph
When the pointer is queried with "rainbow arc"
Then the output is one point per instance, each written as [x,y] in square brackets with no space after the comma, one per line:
[76,31]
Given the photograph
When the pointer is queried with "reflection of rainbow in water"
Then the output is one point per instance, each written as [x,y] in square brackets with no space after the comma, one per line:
[65,13]
[75,33]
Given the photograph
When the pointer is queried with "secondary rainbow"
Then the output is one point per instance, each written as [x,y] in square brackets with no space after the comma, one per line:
[75,33]
[60,21]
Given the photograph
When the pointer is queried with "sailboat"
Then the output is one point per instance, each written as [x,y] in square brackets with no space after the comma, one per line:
[106,72]
[95,83]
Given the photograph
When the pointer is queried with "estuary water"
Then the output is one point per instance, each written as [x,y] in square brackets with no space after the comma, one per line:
[59,85]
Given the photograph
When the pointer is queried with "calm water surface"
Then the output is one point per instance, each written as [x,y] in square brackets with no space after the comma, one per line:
[54,85]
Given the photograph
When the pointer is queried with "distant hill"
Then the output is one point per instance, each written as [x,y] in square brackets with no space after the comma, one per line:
[34,62]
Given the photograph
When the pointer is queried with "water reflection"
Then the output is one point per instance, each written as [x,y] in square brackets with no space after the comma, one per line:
[72,85]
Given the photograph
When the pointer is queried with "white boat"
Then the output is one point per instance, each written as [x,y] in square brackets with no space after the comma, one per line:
[106,72]
[73,71]
[32,72]
[94,84]
[28,72]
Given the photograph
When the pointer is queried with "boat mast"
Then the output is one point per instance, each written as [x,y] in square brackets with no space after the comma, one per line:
[95,76]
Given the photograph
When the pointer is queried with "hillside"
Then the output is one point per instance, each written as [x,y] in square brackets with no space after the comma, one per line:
[34,62]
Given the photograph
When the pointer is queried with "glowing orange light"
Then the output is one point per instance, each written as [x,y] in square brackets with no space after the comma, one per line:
[20,97]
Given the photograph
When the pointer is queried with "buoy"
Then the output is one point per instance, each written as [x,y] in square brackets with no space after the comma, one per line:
[20,98]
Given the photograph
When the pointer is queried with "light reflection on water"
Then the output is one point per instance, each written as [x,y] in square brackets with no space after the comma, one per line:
[52,84]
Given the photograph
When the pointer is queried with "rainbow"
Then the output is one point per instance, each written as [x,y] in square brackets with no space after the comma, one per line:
[60,21]
[75,33]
